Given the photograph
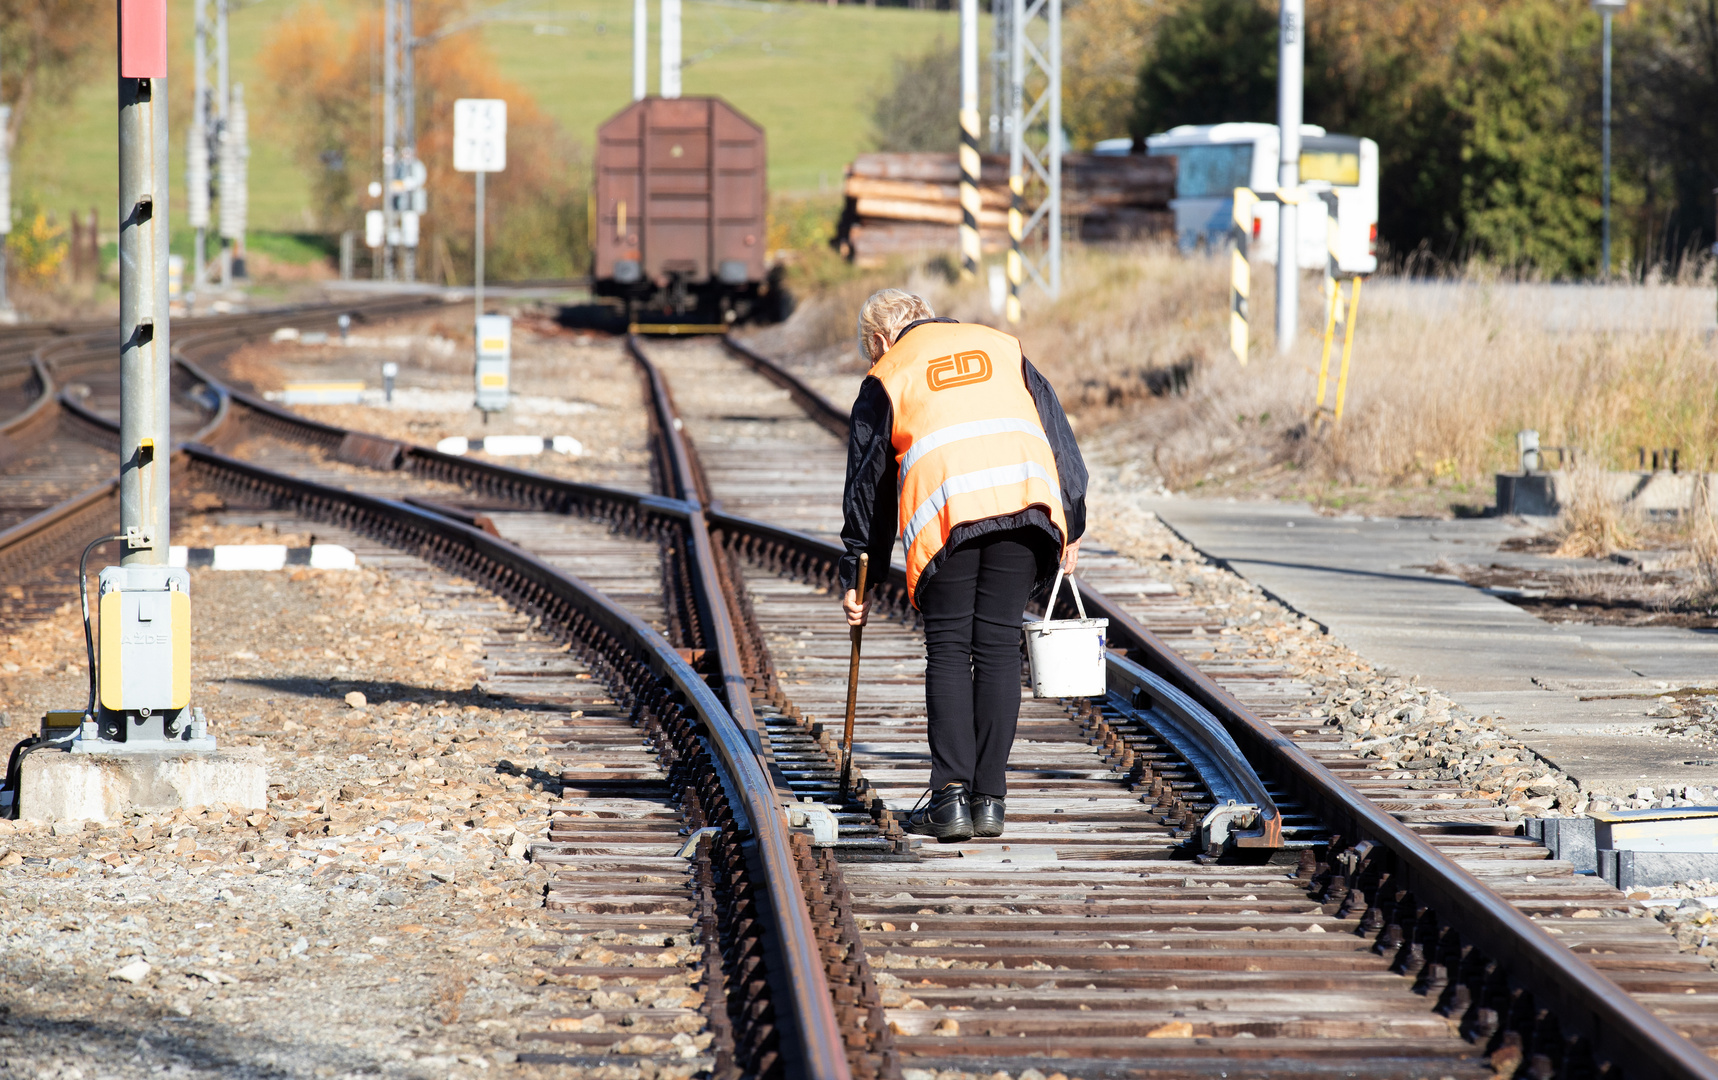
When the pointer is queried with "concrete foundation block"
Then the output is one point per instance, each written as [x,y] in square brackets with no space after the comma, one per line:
[1544,494]
[1534,494]
[1645,869]
[1574,839]
[58,786]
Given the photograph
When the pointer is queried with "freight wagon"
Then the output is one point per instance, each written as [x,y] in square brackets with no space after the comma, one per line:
[679,213]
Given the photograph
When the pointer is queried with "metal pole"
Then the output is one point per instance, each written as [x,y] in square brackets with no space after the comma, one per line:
[477,274]
[1001,69]
[1016,154]
[144,438]
[235,203]
[6,312]
[223,105]
[197,150]
[408,125]
[670,48]
[1605,152]
[1053,55]
[390,133]
[1290,61]
[640,49]
[970,252]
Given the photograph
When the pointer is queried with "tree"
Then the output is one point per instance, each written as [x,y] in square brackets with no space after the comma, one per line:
[1666,132]
[921,108]
[1530,163]
[328,91]
[1102,42]
[47,47]
[1210,61]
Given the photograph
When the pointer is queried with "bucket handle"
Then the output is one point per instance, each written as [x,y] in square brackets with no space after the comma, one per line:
[1050,607]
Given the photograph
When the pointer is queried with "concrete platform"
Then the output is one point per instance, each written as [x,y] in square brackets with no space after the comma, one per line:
[1577,694]
[59,786]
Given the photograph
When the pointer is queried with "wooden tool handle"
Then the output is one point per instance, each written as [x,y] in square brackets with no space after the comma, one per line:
[856,633]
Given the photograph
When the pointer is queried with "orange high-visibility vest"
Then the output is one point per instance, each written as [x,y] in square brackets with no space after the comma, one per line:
[967,436]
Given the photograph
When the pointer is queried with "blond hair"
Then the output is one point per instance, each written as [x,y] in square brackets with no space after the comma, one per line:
[887,312]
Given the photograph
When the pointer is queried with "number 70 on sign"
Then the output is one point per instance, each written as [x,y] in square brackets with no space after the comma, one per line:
[479,135]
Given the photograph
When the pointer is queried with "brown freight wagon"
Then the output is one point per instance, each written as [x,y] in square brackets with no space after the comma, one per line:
[679,214]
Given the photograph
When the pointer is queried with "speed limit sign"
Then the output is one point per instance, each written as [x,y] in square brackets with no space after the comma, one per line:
[479,135]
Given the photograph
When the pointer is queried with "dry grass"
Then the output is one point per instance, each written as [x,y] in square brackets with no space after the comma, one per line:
[1703,543]
[1444,372]
[1592,526]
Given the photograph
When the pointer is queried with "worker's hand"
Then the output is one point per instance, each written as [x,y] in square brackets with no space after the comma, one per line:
[857,613]
[1071,556]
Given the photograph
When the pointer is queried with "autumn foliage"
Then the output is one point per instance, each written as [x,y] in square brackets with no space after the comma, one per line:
[327,83]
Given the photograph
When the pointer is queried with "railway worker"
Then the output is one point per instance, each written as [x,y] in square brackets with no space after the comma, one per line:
[960,448]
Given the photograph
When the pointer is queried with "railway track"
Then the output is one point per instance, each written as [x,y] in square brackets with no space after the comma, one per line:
[1125,927]
[57,441]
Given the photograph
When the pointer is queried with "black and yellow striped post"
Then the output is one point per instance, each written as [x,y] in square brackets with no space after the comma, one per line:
[1240,270]
[970,251]
[1016,237]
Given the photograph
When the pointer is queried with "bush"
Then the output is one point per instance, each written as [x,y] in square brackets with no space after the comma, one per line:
[36,247]
[921,109]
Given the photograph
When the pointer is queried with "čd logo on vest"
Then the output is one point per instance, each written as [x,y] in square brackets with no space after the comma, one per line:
[958,370]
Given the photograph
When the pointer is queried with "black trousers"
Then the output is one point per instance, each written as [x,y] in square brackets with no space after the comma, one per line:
[972,607]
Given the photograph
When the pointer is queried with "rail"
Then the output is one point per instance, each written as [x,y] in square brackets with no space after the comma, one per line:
[558,597]
[1486,962]
[1437,906]
[1244,813]
[827,414]
[1468,944]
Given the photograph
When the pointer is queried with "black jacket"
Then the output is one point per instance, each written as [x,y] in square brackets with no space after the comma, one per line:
[869,504]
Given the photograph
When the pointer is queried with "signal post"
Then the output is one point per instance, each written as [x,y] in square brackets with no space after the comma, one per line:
[138,743]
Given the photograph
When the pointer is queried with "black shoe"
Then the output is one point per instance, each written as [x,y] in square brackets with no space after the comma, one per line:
[943,815]
[987,812]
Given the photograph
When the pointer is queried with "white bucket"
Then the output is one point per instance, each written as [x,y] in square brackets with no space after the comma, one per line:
[1067,655]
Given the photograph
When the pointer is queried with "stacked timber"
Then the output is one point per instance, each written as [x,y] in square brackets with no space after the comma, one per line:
[900,204]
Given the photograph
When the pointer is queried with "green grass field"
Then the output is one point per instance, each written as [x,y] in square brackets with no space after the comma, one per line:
[805,71]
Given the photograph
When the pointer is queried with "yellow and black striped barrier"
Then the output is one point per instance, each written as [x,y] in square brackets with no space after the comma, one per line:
[1240,270]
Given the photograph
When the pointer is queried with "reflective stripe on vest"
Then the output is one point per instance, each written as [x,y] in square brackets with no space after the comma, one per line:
[972,429]
[965,484]
[967,437]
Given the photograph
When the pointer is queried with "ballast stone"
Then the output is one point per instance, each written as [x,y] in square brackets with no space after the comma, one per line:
[58,786]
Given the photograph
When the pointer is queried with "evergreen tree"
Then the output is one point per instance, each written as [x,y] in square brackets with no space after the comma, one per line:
[1210,62]
[1530,163]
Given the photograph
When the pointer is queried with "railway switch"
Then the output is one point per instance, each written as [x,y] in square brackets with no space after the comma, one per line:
[494,361]
[144,668]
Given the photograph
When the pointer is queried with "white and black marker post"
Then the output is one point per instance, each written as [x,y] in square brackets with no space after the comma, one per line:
[1291,57]
[480,146]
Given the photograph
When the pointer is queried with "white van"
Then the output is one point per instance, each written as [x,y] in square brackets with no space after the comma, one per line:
[1215,159]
